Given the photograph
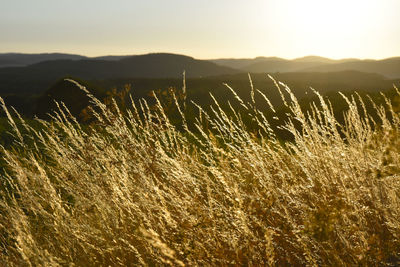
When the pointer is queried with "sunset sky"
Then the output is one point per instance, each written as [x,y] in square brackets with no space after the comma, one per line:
[203,28]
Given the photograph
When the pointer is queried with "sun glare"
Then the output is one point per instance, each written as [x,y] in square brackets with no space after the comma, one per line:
[223,28]
[330,27]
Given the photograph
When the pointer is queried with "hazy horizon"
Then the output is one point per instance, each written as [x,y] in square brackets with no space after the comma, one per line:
[204,29]
[206,58]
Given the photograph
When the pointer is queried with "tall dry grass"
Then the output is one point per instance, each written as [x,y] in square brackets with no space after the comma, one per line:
[133,190]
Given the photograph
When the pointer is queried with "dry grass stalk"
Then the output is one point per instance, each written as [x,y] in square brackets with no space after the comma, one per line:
[134,190]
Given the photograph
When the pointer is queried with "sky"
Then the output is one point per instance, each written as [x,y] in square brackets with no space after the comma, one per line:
[203,28]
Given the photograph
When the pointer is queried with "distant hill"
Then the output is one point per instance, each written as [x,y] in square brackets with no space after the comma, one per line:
[269,66]
[242,63]
[258,62]
[323,59]
[387,67]
[110,58]
[38,77]
[390,68]
[20,59]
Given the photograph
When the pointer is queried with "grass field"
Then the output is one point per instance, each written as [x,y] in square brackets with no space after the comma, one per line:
[132,189]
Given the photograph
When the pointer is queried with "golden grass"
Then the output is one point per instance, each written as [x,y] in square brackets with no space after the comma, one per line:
[133,190]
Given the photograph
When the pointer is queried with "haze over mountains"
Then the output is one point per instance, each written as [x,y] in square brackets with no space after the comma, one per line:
[390,68]
[164,65]
[21,59]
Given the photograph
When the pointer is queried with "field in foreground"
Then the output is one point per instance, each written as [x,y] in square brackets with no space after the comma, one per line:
[133,189]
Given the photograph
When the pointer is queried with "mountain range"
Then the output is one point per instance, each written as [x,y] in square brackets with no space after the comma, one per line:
[26,85]
[34,73]
[390,68]
[21,59]
[39,76]
[164,65]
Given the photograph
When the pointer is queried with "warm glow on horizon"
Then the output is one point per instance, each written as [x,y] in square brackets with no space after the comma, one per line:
[337,29]
[204,29]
